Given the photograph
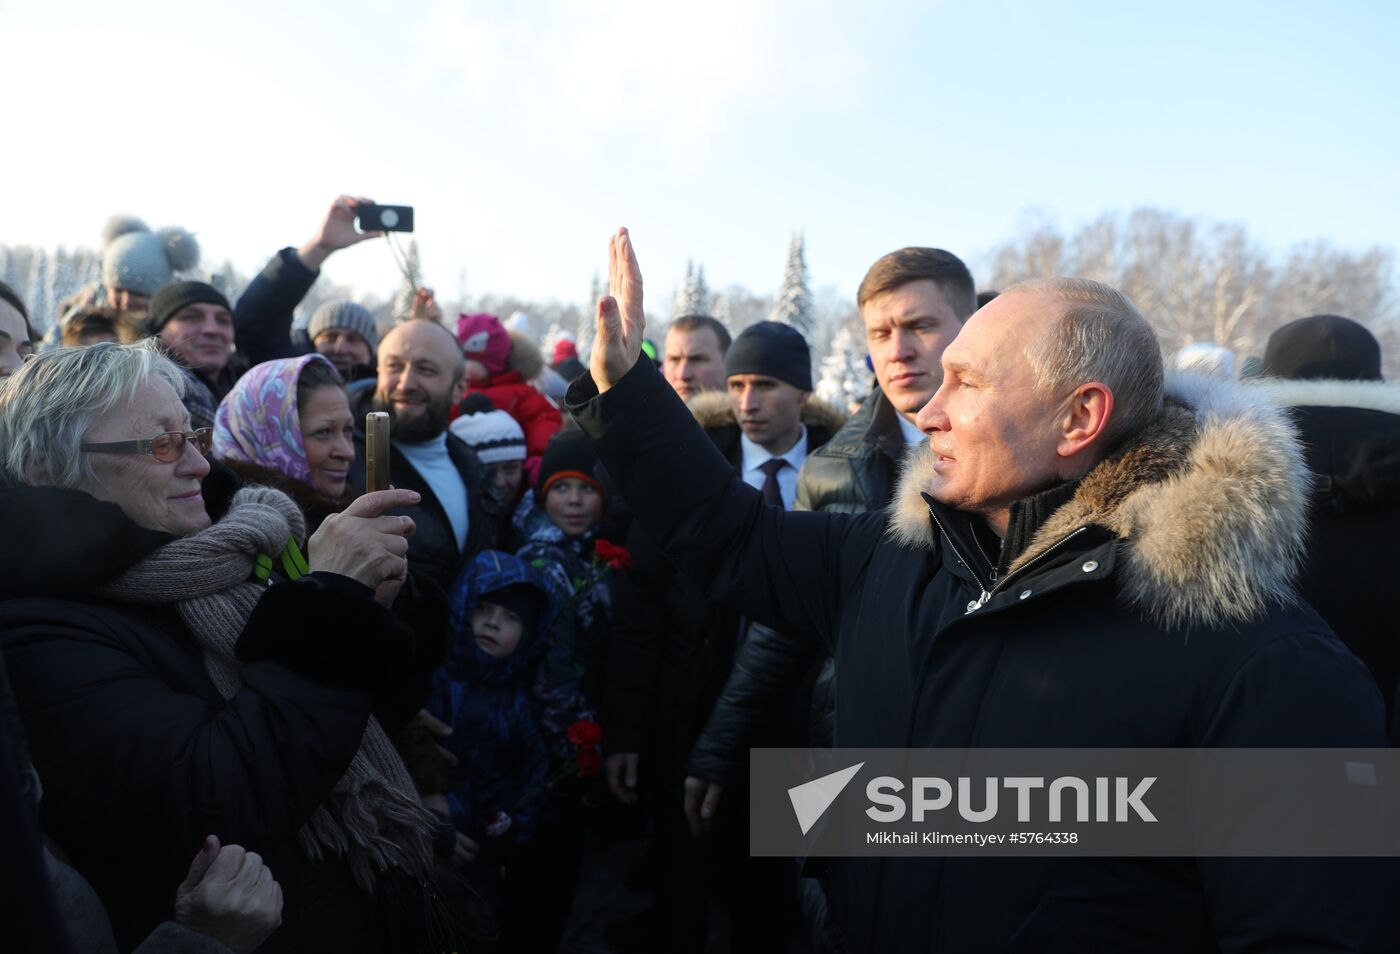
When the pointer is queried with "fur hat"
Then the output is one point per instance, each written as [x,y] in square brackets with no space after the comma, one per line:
[342,313]
[494,435]
[138,260]
[1323,346]
[484,339]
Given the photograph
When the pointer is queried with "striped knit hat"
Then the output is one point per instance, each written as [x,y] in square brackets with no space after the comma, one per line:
[494,435]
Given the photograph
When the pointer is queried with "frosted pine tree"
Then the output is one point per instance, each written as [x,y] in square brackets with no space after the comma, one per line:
[412,281]
[845,380]
[41,302]
[693,297]
[720,311]
[793,304]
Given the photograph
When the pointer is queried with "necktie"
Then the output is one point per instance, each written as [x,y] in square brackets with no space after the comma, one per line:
[772,495]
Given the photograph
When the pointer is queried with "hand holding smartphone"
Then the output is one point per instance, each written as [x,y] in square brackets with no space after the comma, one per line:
[384,218]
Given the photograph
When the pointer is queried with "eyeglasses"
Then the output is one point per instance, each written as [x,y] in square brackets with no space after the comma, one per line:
[165,448]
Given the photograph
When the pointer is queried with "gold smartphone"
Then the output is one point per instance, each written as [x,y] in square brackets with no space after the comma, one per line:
[376,451]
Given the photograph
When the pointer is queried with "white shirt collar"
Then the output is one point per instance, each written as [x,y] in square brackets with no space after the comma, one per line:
[755,456]
[912,435]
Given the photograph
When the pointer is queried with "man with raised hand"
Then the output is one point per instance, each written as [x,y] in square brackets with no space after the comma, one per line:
[1077,561]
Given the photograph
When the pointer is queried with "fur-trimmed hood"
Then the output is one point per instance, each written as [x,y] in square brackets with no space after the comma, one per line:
[525,356]
[1380,396]
[1351,432]
[1209,502]
[712,410]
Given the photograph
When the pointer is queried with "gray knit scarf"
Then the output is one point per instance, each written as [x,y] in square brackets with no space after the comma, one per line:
[373,817]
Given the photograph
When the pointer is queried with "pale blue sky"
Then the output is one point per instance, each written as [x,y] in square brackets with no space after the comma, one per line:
[524,132]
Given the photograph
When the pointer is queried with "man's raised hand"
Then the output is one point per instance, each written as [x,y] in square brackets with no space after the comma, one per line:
[621,322]
[337,231]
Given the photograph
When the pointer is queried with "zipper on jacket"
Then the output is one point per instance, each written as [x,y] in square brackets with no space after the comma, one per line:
[1048,550]
[977,603]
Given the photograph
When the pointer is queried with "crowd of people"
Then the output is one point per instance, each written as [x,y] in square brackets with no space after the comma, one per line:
[248,703]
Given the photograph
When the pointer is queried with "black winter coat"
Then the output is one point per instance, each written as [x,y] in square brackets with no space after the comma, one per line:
[1351,433]
[671,648]
[853,472]
[432,550]
[139,754]
[1161,624]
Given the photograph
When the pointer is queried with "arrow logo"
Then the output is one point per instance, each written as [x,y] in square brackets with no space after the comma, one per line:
[810,800]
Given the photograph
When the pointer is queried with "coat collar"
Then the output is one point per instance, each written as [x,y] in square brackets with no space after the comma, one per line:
[712,410]
[1209,504]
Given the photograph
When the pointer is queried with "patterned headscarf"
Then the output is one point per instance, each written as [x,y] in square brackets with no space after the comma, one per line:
[259,422]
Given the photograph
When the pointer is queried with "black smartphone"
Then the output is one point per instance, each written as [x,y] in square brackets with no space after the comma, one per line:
[385,218]
[376,451]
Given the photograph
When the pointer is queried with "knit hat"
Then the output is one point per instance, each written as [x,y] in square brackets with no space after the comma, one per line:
[569,454]
[1323,346]
[484,339]
[773,349]
[342,313]
[138,260]
[167,302]
[563,351]
[494,435]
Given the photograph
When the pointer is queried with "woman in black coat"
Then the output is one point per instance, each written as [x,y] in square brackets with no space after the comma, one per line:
[169,692]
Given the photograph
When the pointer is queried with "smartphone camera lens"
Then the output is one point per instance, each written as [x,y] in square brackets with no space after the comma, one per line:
[388,218]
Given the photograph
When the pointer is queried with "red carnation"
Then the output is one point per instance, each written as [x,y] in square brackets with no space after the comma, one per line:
[613,555]
[585,732]
[588,762]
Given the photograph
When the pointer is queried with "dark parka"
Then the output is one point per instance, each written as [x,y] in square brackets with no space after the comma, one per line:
[853,472]
[671,647]
[1144,606]
[140,755]
[432,549]
[1351,435]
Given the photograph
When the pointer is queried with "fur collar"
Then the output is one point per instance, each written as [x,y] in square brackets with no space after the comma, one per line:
[1368,395]
[712,410]
[525,357]
[1210,502]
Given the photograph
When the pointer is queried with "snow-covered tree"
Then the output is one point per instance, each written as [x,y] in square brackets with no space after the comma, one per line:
[722,313]
[583,339]
[793,304]
[844,380]
[41,302]
[412,281]
[693,297]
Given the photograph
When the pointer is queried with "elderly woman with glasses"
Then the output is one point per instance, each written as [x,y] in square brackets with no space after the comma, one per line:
[189,663]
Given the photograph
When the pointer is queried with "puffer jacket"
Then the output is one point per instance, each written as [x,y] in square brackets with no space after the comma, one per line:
[510,391]
[503,765]
[1147,605]
[853,472]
